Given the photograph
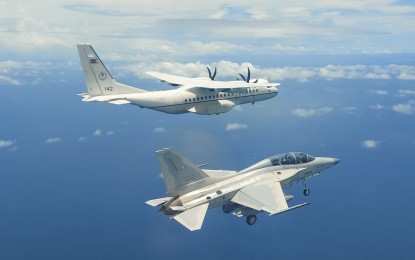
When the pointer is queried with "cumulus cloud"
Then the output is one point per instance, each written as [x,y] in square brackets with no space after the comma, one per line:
[407,109]
[6,143]
[52,140]
[82,139]
[350,110]
[406,92]
[381,92]
[235,126]
[97,132]
[377,106]
[370,144]
[110,133]
[302,112]
[159,130]
[407,76]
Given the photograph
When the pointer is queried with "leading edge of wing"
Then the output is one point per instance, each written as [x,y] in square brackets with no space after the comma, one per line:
[206,83]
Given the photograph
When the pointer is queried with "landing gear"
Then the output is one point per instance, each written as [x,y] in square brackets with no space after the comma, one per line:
[251,219]
[306,190]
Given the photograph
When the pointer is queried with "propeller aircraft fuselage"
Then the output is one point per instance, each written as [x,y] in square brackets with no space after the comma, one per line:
[204,96]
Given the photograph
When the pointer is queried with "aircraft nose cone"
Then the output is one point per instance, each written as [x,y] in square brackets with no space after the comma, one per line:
[336,161]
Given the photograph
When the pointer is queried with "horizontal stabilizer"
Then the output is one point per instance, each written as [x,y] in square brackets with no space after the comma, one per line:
[192,218]
[119,99]
[291,208]
[157,202]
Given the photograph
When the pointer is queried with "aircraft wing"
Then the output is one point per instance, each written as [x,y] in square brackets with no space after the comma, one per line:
[266,196]
[189,83]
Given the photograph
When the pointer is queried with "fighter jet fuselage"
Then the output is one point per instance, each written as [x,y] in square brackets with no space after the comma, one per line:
[257,188]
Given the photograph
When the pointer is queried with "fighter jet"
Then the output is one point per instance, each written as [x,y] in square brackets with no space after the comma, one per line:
[203,96]
[191,191]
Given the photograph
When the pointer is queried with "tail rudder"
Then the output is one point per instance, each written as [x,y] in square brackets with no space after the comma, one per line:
[180,174]
[99,80]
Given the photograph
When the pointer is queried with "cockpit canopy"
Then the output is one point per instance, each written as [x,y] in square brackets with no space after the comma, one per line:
[290,158]
[280,159]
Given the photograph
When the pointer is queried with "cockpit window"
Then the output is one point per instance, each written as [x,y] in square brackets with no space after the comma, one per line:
[290,158]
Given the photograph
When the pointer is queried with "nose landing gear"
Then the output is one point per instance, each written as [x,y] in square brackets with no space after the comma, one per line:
[306,190]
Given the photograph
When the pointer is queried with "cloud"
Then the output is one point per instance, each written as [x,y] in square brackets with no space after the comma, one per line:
[301,112]
[406,92]
[381,92]
[235,126]
[82,139]
[376,106]
[370,144]
[290,49]
[407,109]
[159,130]
[350,110]
[52,140]
[97,132]
[110,133]
[322,26]
[6,143]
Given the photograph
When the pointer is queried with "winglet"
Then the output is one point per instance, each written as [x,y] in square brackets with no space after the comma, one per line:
[193,218]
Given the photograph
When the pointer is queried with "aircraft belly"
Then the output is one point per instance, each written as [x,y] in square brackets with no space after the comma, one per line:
[163,101]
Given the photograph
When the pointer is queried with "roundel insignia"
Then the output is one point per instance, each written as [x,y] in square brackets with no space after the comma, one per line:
[102,75]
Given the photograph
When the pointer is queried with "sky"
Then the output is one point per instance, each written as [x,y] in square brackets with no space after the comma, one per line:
[74,176]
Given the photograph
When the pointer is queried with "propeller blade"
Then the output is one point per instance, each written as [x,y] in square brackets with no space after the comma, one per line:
[210,73]
[212,77]
[256,81]
[243,77]
[249,75]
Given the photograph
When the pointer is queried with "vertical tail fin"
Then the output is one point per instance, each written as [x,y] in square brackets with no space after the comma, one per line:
[99,80]
[180,174]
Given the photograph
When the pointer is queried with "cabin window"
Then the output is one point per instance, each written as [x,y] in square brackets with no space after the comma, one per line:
[208,197]
[219,192]
[220,95]
[185,101]
[210,97]
[197,99]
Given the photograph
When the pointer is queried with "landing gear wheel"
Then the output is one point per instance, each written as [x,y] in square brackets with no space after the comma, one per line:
[306,192]
[226,209]
[251,219]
